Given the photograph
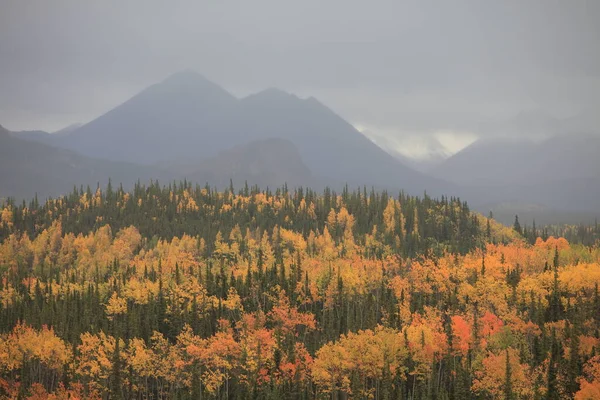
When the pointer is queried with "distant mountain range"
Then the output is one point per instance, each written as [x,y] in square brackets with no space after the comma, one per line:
[501,162]
[534,178]
[189,127]
[263,162]
[28,168]
[188,117]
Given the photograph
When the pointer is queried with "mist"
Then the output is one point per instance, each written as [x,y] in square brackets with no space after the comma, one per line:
[404,70]
[493,102]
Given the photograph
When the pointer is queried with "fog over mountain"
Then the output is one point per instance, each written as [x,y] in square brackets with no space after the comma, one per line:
[165,121]
[28,168]
[404,68]
[265,163]
[306,199]
[502,162]
[495,102]
[188,117]
[189,127]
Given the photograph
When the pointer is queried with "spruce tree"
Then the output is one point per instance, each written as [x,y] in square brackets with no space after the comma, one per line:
[508,390]
[552,381]
[517,226]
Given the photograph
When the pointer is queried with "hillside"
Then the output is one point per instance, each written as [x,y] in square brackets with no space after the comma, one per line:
[188,117]
[180,117]
[548,172]
[30,168]
[501,162]
[35,136]
[27,168]
[185,120]
[266,163]
[184,292]
[330,146]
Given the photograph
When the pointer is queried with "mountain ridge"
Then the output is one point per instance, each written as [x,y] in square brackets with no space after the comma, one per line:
[29,168]
[187,116]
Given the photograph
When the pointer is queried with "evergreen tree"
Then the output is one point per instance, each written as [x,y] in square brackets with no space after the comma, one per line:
[552,381]
[508,391]
[517,226]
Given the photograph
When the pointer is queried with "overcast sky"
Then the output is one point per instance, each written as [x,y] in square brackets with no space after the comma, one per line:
[410,71]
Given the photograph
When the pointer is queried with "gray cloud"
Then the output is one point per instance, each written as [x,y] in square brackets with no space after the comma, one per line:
[403,68]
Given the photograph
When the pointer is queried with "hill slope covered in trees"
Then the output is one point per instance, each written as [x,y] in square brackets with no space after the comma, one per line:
[185,292]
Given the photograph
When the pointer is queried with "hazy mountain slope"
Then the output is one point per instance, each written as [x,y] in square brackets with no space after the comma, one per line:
[562,172]
[532,146]
[519,162]
[67,130]
[266,163]
[35,136]
[484,162]
[179,117]
[27,168]
[188,117]
[47,137]
[330,146]
[573,194]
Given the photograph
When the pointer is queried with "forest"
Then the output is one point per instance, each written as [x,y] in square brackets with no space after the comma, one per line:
[180,291]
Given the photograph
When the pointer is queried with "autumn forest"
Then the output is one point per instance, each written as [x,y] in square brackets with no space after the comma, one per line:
[185,292]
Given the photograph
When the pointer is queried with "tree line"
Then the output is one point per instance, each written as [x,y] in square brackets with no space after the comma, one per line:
[187,292]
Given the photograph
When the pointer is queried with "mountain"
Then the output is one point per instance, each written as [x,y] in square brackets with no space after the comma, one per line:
[535,124]
[179,117]
[46,137]
[531,124]
[188,117]
[330,146]
[266,163]
[35,136]
[67,130]
[560,172]
[502,162]
[27,168]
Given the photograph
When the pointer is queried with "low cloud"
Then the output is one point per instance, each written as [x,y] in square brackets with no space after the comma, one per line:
[413,71]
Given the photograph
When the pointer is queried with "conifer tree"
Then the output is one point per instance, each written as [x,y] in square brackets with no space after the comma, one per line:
[508,391]
[517,226]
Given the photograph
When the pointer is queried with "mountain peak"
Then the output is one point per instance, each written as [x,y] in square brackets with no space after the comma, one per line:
[273,91]
[185,76]
[189,81]
[272,94]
